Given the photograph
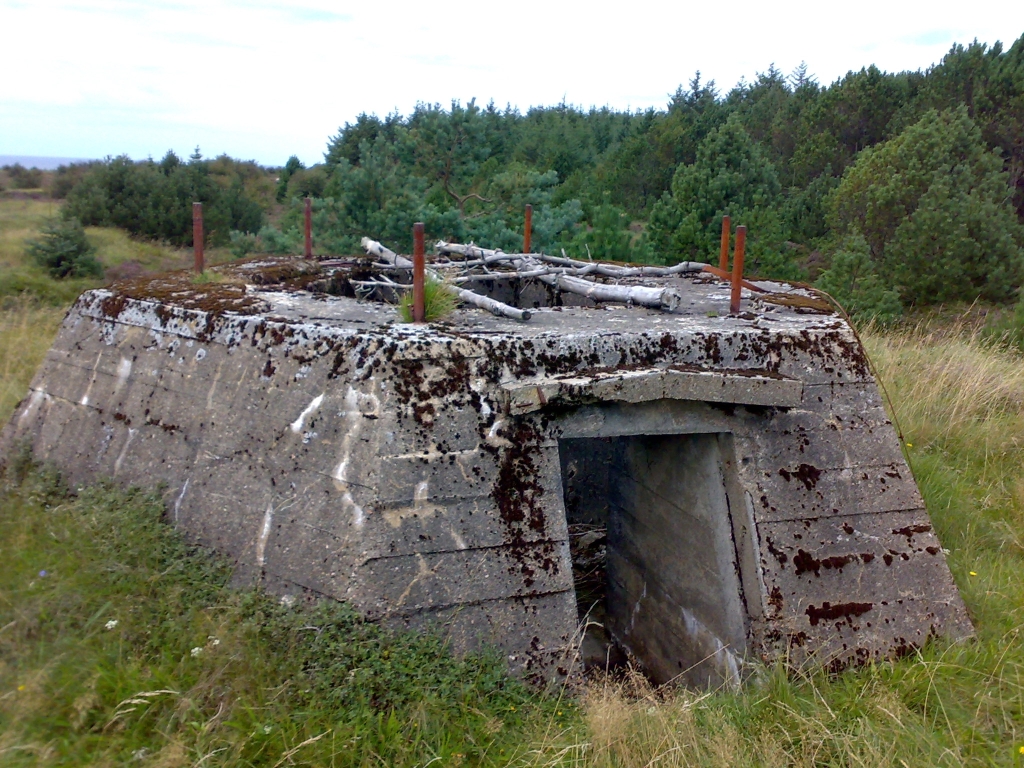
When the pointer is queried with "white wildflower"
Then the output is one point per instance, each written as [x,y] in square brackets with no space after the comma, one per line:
[110,624]
[196,651]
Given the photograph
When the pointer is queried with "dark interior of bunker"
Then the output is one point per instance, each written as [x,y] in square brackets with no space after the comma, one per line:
[654,559]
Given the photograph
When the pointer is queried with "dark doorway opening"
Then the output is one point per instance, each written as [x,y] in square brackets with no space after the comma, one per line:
[654,555]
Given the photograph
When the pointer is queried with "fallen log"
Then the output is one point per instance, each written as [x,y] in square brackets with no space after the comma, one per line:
[664,298]
[616,270]
[493,306]
[667,299]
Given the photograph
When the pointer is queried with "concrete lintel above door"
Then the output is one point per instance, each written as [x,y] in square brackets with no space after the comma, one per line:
[742,387]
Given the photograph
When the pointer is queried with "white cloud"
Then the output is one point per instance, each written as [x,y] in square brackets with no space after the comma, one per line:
[268,79]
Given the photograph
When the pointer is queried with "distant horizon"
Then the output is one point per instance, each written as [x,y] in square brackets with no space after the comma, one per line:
[273,79]
[42,162]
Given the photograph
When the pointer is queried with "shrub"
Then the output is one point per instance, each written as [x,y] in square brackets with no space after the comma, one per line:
[24,178]
[274,240]
[932,207]
[290,167]
[67,176]
[608,237]
[852,280]
[243,243]
[1006,327]
[154,200]
[64,251]
[731,175]
[307,182]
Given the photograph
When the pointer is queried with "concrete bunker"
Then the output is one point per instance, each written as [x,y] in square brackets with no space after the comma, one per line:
[754,498]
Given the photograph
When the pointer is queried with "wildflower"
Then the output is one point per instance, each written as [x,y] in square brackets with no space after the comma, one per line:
[43,574]
[211,640]
[972,573]
[1021,750]
[196,651]
[910,445]
[21,687]
[110,624]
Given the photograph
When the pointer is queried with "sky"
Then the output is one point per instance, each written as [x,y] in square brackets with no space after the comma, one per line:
[264,79]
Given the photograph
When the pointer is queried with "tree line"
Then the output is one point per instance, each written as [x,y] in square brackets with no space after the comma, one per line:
[888,189]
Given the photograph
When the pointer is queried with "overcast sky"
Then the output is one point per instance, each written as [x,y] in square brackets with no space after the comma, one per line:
[263,79]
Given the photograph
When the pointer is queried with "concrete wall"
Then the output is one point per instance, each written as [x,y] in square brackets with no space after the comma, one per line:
[331,452]
[674,592]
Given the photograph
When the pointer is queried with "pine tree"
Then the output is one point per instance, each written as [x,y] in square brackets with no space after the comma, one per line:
[932,206]
[730,176]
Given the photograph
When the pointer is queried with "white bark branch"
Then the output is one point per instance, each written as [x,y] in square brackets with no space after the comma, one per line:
[667,299]
[493,306]
[469,297]
[528,265]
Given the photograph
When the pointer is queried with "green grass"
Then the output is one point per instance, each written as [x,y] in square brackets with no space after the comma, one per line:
[313,685]
[439,301]
[27,329]
[120,255]
[276,678]
[208,278]
[20,219]
[118,638]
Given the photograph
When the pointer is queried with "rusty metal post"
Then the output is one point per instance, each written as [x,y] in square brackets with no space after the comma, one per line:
[528,229]
[197,237]
[723,260]
[737,269]
[419,268]
[308,252]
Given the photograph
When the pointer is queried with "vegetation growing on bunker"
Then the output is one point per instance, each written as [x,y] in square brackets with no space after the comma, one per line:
[439,301]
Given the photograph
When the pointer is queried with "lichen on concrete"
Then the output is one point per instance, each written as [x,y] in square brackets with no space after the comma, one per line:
[417,471]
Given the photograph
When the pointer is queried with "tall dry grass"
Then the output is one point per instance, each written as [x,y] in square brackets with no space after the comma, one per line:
[953,391]
[27,330]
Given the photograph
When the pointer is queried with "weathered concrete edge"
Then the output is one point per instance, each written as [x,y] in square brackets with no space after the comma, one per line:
[654,384]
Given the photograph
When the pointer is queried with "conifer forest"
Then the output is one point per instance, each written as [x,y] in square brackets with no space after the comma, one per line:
[888,190]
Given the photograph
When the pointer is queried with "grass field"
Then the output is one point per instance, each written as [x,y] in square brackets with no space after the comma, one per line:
[121,255]
[121,646]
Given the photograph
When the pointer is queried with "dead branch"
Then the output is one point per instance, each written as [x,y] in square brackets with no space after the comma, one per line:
[493,306]
[529,265]
[386,255]
[667,299]
[615,270]
[469,297]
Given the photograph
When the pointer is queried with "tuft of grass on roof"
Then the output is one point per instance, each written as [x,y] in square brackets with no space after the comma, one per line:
[439,301]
